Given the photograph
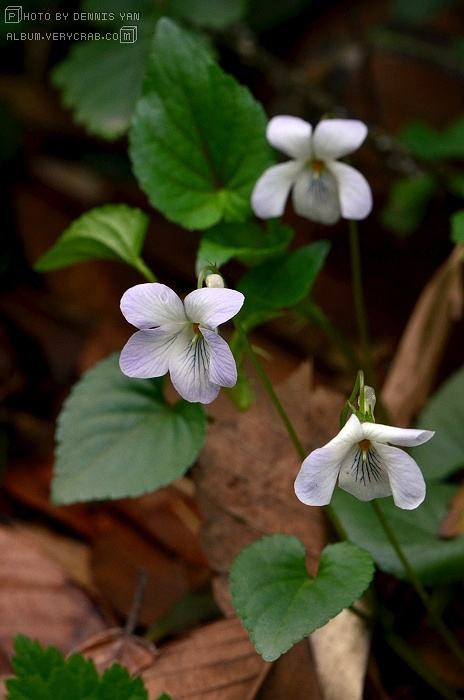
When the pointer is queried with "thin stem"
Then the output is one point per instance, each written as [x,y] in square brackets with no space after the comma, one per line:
[415,663]
[145,270]
[358,296]
[449,639]
[314,313]
[271,393]
[408,655]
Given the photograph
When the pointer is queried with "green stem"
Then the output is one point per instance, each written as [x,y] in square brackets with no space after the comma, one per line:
[397,645]
[449,639]
[271,393]
[419,667]
[315,314]
[145,270]
[358,296]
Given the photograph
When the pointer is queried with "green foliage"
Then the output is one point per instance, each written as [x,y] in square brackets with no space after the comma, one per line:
[416,11]
[111,232]
[42,674]
[457,227]
[434,560]
[101,81]
[429,144]
[279,603]
[210,14]
[407,203]
[280,283]
[444,413]
[118,437]
[242,394]
[198,137]
[247,242]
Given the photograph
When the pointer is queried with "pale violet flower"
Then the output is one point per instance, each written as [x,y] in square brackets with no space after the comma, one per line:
[180,338]
[365,464]
[323,189]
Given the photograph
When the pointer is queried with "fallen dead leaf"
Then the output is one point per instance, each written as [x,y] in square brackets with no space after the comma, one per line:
[293,676]
[245,488]
[340,649]
[120,554]
[217,662]
[38,599]
[115,645]
[247,468]
[73,556]
[414,366]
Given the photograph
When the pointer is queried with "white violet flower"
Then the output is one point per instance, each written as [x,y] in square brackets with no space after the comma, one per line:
[180,338]
[365,464]
[323,188]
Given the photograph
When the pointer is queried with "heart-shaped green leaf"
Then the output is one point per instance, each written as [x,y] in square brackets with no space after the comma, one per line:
[198,137]
[111,232]
[280,604]
[434,559]
[118,437]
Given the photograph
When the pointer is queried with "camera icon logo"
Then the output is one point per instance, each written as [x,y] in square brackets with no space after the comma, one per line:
[128,35]
[13,13]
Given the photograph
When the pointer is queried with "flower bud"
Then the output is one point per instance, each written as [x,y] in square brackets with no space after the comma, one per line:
[214,280]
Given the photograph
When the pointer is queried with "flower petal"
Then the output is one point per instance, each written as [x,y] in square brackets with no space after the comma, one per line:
[271,191]
[354,191]
[316,479]
[152,304]
[316,197]
[222,367]
[364,478]
[406,437]
[406,480]
[335,138]
[291,135]
[212,306]
[318,474]
[349,435]
[146,353]
[189,362]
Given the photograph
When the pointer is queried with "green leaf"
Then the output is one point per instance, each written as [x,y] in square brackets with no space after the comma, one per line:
[429,144]
[42,674]
[210,14]
[457,227]
[444,413]
[434,559]
[111,232]
[407,203]
[279,603]
[280,283]
[198,137]
[118,437]
[101,81]
[416,11]
[248,243]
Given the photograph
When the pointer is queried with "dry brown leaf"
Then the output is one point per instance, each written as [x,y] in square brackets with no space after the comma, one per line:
[247,468]
[414,367]
[341,649]
[38,599]
[120,554]
[73,556]
[453,524]
[293,676]
[217,662]
[115,645]
[245,487]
